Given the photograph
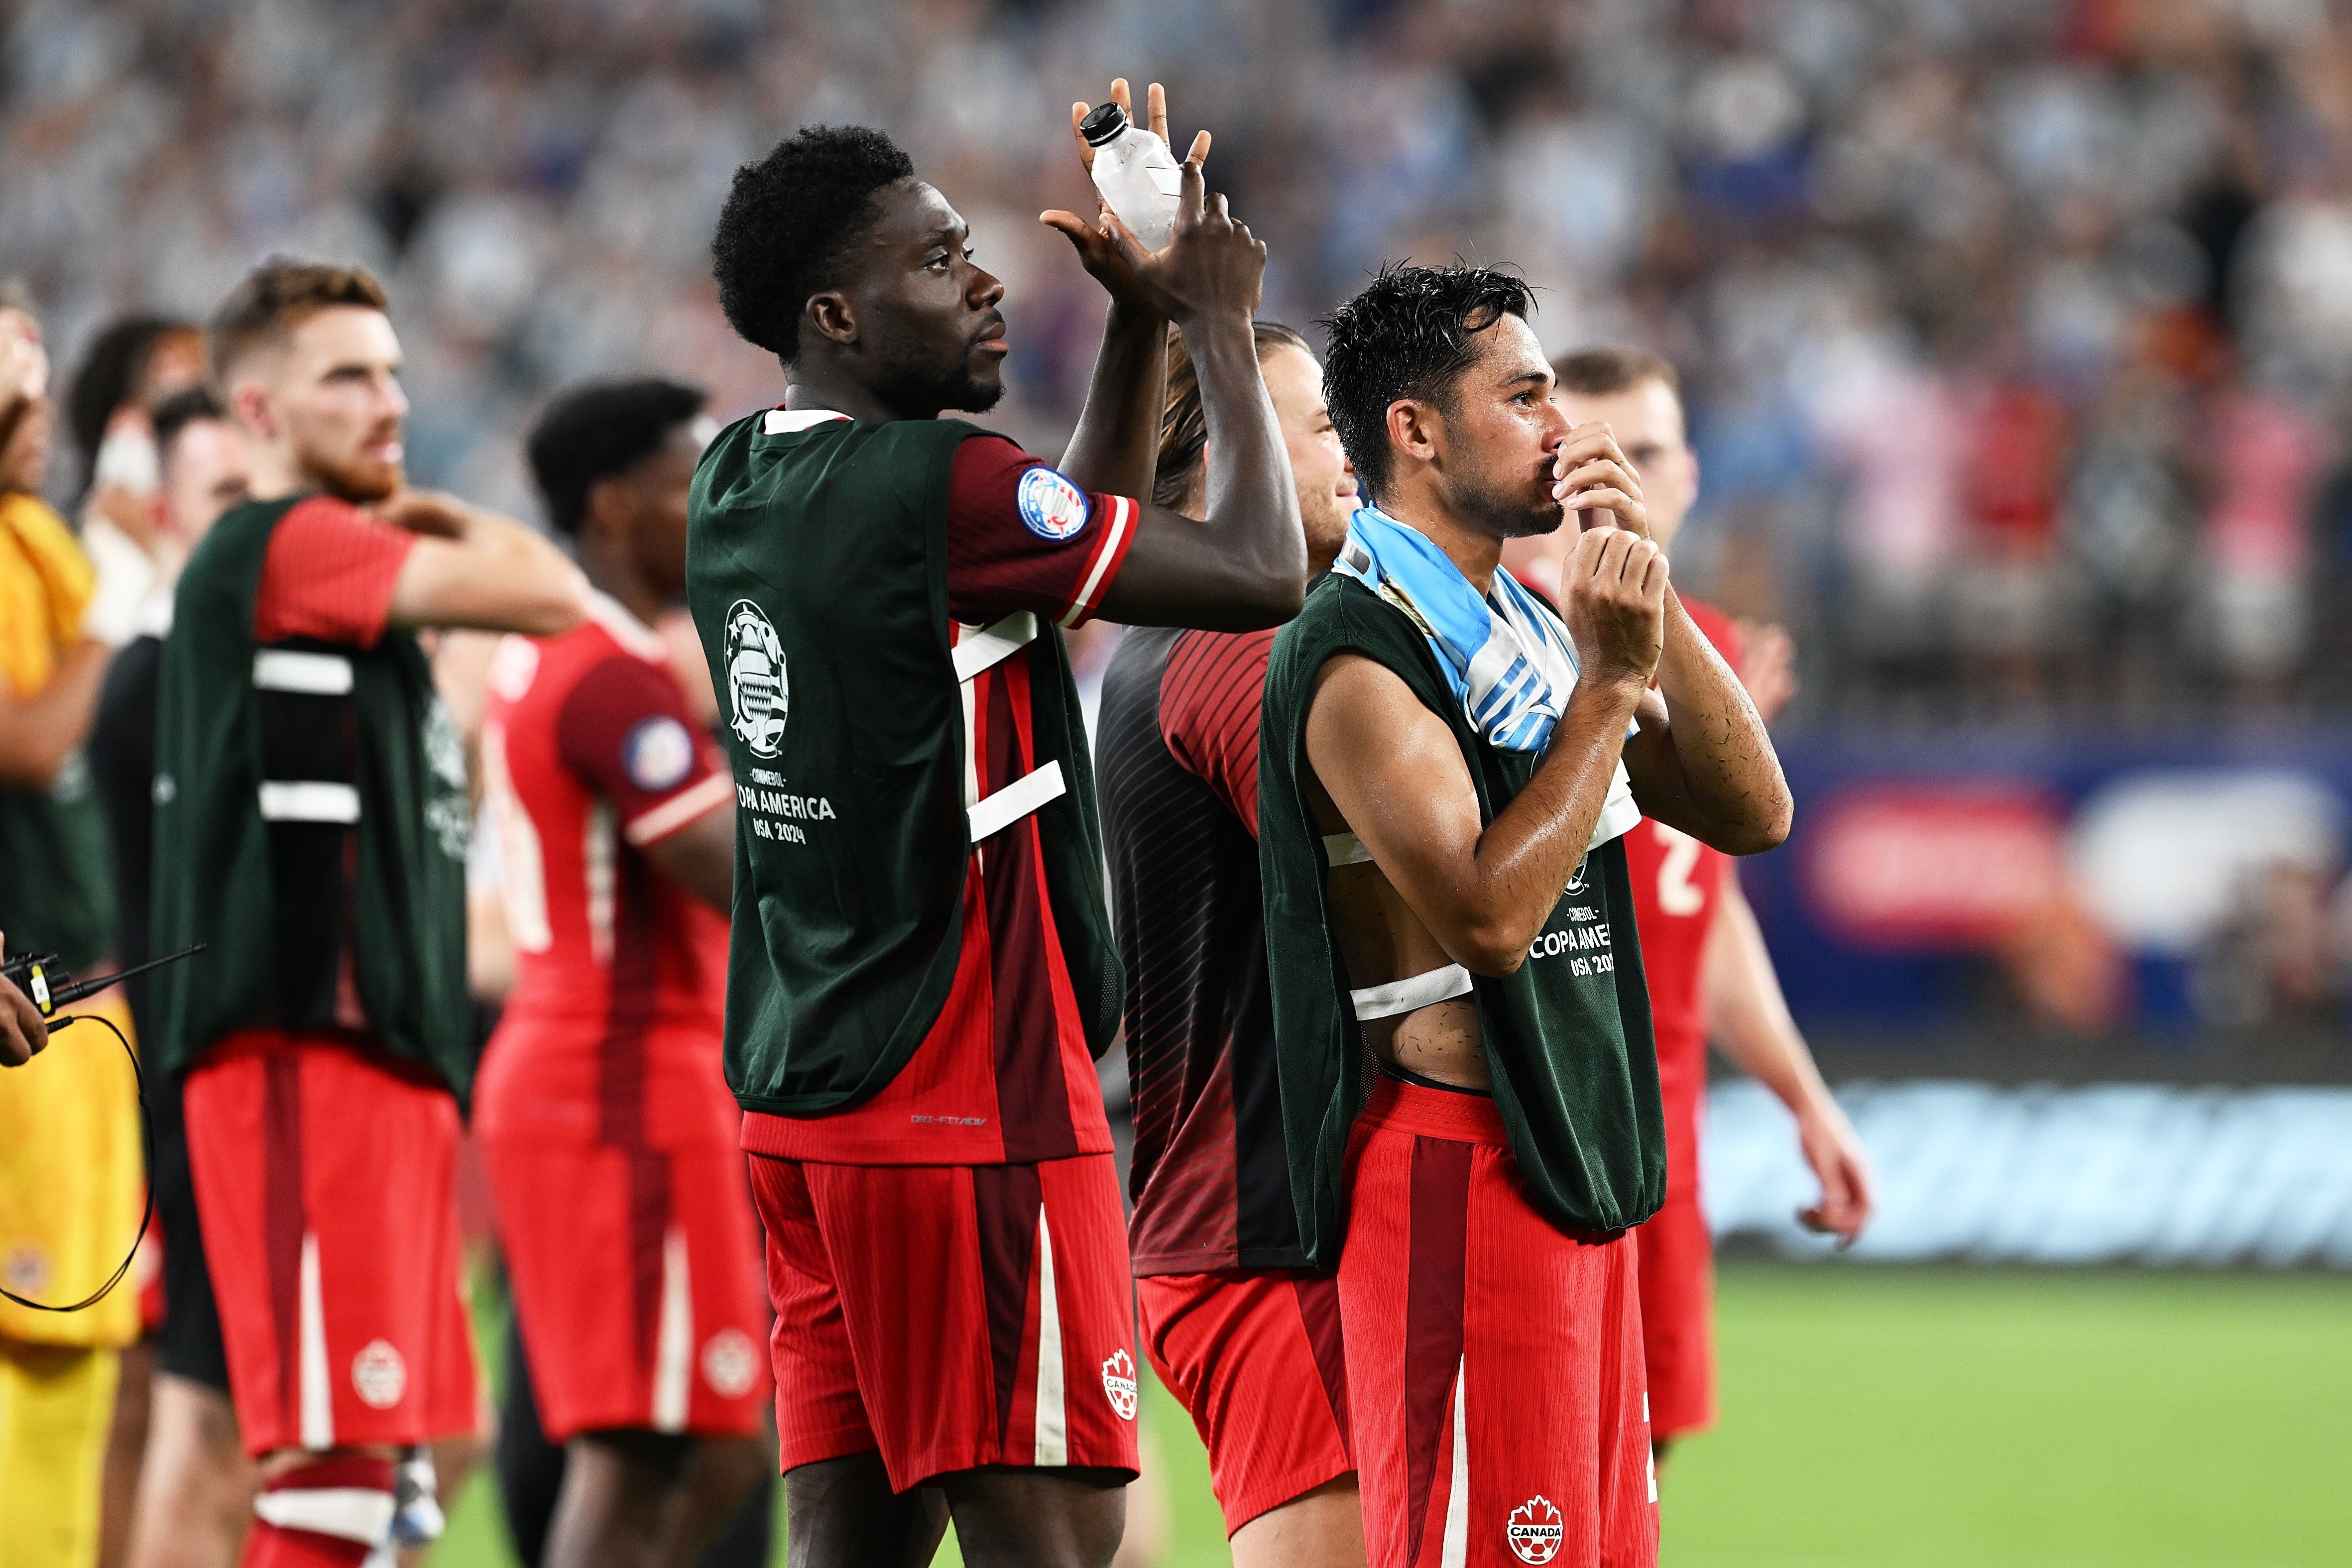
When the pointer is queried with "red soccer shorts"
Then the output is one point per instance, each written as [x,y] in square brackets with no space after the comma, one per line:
[1256,1357]
[325,1179]
[1509,1351]
[1679,1291]
[949,1316]
[637,1285]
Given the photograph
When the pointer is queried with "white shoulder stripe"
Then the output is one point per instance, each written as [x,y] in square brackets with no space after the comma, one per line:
[689,805]
[1122,517]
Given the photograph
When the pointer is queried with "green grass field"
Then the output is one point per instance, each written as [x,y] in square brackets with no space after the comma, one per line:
[1957,1416]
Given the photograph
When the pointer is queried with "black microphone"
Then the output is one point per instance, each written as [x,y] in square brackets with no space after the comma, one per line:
[51,986]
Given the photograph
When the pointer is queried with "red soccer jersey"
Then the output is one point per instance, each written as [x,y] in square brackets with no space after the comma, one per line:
[1678,888]
[1176,761]
[611,1034]
[1004,1074]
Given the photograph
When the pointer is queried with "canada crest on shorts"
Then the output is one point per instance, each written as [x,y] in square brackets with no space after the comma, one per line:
[757,696]
[1535,1530]
[1118,1383]
[379,1375]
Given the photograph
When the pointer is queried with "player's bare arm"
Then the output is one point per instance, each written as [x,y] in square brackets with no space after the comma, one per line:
[1701,761]
[1113,449]
[1749,1019]
[1394,773]
[1244,565]
[474,568]
[701,856]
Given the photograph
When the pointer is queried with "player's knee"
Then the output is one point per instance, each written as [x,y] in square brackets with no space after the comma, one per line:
[1070,1518]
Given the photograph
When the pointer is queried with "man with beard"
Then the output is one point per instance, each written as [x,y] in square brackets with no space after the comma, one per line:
[1233,1321]
[922,965]
[1702,953]
[1446,773]
[310,825]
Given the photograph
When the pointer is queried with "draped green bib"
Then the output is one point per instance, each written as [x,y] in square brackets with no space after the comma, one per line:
[1567,1035]
[310,826]
[817,571]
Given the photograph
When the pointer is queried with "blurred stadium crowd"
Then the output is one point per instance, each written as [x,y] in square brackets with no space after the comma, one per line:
[2018,332]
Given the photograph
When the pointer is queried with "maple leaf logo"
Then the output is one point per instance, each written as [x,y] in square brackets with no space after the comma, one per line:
[1535,1530]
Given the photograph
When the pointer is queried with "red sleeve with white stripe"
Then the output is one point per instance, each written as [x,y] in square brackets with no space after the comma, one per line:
[625,731]
[1021,537]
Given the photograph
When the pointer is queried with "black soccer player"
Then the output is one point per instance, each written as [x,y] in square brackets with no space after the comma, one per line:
[922,965]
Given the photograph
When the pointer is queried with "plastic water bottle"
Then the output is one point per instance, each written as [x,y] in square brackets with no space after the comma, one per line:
[1136,174]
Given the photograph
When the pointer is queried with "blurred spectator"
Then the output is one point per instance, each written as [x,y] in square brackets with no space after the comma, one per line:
[1999,323]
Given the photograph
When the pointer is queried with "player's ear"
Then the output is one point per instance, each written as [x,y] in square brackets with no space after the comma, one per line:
[1413,428]
[833,316]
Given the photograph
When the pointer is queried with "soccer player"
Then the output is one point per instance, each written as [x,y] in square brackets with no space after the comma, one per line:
[922,965]
[310,825]
[195,1490]
[1701,950]
[1232,1320]
[1447,772]
[605,1127]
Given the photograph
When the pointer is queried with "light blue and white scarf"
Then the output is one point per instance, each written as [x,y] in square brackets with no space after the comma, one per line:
[1507,657]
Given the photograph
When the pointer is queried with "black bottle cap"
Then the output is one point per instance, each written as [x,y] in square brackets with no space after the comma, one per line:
[1105,122]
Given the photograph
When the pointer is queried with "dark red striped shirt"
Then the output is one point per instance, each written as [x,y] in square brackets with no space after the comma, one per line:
[1176,757]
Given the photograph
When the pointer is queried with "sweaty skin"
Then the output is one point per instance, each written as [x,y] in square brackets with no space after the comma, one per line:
[1443,888]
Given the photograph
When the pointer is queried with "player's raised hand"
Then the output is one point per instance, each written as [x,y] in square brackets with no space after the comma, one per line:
[1834,1150]
[23,1031]
[1097,251]
[1592,478]
[1615,584]
[1212,265]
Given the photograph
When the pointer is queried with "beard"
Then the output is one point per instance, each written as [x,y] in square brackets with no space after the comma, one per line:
[346,471]
[919,385]
[357,479]
[1508,509]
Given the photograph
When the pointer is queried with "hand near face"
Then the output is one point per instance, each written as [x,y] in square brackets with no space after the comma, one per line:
[1592,478]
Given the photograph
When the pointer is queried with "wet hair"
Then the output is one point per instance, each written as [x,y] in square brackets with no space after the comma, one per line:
[1184,425]
[600,429]
[110,376]
[1605,371]
[276,298]
[789,223]
[178,411]
[1410,334]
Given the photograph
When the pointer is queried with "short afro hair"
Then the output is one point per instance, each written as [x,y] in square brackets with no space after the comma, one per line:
[600,429]
[1409,335]
[789,223]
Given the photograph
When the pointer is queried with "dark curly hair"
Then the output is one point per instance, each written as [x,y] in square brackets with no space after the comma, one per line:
[1409,335]
[597,430]
[789,221]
